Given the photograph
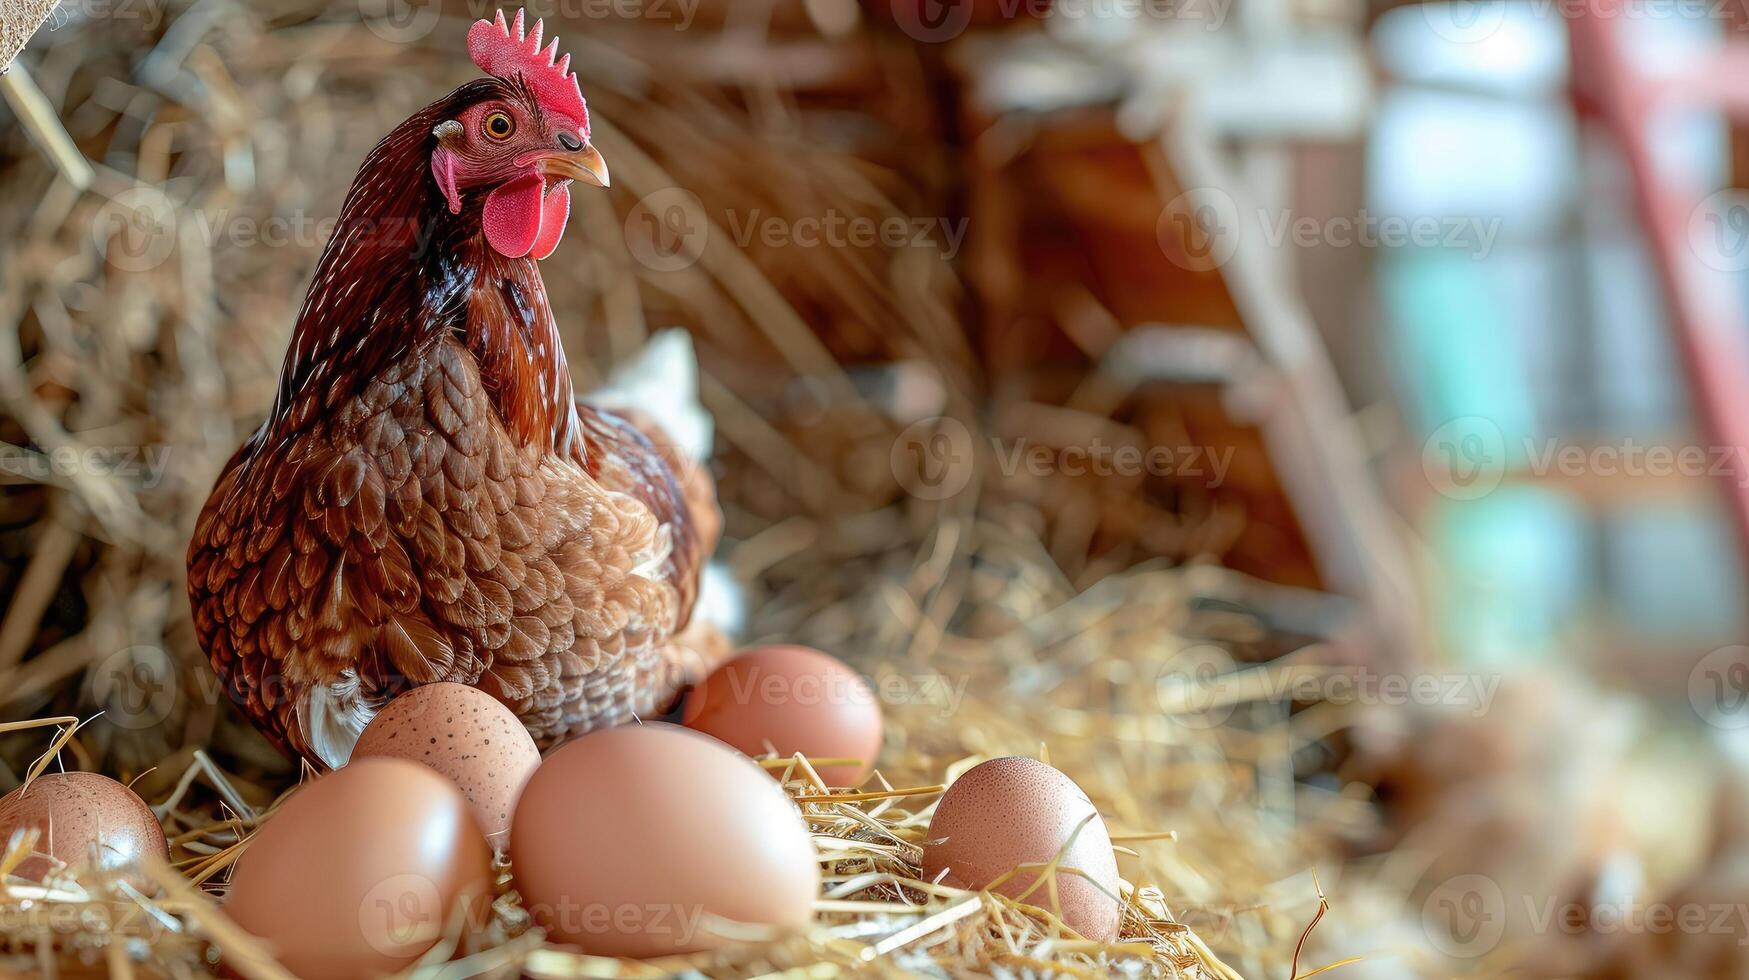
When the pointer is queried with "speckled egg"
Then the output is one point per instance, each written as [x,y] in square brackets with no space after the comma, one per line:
[82,816]
[1012,811]
[794,699]
[633,840]
[465,734]
[358,872]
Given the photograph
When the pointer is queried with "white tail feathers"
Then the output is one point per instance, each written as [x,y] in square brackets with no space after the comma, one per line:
[662,382]
[722,602]
[332,717]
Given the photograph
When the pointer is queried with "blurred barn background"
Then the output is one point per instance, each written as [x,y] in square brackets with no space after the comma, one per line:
[1186,376]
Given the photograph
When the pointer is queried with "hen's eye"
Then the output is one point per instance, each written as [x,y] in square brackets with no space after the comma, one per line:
[499,126]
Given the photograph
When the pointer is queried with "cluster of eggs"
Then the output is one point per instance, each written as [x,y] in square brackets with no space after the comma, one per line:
[636,841]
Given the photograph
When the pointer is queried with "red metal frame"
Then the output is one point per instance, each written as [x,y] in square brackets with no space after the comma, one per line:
[1707,314]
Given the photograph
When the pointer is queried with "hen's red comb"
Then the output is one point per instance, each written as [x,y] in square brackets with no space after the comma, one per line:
[504,50]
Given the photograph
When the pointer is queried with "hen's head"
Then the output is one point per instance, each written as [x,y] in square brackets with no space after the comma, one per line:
[520,139]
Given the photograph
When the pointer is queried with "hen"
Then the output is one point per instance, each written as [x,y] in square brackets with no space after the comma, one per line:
[427,501]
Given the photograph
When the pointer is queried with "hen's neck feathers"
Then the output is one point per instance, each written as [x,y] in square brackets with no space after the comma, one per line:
[401,271]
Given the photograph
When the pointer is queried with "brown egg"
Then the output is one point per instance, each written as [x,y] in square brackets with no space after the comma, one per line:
[628,840]
[796,699]
[1013,811]
[465,734]
[82,817]
[357,872]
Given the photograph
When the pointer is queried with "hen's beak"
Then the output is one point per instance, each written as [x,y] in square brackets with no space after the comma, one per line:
[584,164]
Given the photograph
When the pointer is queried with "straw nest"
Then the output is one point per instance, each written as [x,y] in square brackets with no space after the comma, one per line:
[144,308]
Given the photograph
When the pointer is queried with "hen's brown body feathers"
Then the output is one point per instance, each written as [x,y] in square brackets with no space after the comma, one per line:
[428,503]
[408,538]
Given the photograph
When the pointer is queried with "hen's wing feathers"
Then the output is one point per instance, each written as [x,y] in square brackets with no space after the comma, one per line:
[624,458]
[418,649]
[407,540]
[371,579]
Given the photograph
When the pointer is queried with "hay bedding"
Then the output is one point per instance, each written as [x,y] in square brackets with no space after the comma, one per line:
[135,322]
[1208,865]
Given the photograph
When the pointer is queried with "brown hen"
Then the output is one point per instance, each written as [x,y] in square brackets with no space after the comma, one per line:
[427,501]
